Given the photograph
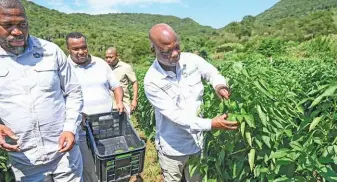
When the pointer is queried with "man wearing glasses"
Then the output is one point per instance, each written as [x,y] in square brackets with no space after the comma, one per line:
[173,86]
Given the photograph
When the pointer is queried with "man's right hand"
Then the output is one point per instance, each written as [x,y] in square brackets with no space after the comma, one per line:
[5,131]
[220,122]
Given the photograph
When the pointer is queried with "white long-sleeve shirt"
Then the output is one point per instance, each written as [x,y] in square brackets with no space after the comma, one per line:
[176,99]
[97,81]
[40,98]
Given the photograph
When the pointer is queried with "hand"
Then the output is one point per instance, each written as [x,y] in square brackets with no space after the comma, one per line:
[84,117]
[222,91]
[120,107]
[220,122]
[133,105]
[5,131]
[66,141]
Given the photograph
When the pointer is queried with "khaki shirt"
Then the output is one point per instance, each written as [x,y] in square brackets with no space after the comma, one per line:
[125,74]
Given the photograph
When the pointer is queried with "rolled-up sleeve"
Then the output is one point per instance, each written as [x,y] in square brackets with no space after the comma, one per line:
[167,107]
[210,73]
[72,93]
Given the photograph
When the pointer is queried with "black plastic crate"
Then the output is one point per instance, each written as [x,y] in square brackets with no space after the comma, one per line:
[119,154]
[107,125]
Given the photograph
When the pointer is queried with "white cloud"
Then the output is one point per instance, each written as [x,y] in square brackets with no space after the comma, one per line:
[102,6]
[111,3]
[106,5]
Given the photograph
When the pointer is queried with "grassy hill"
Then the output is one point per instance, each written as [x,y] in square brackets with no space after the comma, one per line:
[294,8]
[127,31]
[287,20]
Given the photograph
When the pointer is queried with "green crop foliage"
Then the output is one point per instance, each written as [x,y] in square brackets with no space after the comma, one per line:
[287,113]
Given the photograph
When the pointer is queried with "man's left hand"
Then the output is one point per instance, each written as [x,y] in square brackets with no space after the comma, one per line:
[222,92]
[120,107]
[66,141]
[133,105]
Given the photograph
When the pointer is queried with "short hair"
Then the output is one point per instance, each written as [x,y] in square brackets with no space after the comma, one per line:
[74,35]
[10,4]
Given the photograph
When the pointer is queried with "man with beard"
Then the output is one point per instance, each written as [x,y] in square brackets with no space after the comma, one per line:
[173,85]
[125,75]
[40,103]
[97,80]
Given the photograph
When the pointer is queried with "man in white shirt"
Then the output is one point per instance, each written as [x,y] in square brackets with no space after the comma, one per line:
[97,80]
[174,88]
[40,103]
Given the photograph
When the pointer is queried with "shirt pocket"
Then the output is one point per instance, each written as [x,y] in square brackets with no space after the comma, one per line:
[195,87]
[5,83]
[46,75]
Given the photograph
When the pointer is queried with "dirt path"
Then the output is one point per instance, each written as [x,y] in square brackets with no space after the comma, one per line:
[151,172]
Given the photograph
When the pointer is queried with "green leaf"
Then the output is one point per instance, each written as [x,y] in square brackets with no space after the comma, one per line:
[217,133]
[221,155]
[326,160]
[288,133]
[262,115]
[284,178]
[284,161]
[192,169]
[277,124]
[314,123]
[244,72]
[239,118]
[251,159]
[258,142]
[242,128]
[250,121]
[278,154]
[221,107]
[328,92]
[296,146]
[249,138]
[261,89]
[266,140]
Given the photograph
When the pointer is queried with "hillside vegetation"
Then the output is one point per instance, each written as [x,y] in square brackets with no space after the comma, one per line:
[281,66]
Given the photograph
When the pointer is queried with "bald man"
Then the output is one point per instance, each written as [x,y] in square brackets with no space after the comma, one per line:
[125,74]
[173,86]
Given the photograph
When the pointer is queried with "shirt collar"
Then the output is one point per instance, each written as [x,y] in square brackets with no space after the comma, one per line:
[117,65]
[163,74]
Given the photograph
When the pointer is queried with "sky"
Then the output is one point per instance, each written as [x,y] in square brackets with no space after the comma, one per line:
[214,13]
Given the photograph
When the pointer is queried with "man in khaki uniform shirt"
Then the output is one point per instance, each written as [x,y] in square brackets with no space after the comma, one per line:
[125,74]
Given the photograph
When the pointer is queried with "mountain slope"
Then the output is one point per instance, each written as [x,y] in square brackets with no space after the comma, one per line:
[294,8]
[128,31]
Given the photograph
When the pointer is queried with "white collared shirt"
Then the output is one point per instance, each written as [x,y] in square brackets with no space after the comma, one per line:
[97,80]
[40,98]
[176,99]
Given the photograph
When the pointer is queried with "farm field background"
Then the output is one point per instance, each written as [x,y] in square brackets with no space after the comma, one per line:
[282,69]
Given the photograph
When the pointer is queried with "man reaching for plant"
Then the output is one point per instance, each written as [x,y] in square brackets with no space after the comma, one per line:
[173,86]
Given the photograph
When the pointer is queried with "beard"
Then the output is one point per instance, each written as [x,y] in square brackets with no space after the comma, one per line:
[5,44]
[168,62]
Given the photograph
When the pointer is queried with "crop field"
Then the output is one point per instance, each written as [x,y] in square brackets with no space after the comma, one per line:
[287,115]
